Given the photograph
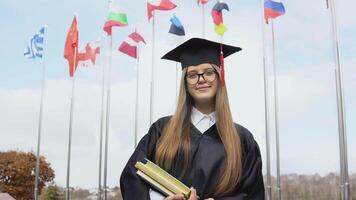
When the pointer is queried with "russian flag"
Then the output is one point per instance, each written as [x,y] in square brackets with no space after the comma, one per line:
[273,9]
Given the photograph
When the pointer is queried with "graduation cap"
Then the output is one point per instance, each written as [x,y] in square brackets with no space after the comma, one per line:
[197,51]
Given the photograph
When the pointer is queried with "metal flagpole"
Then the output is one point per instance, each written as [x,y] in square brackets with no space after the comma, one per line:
[344,177]
[267,120]
[107,121]
[137,90]
[152,69]
[102,118]
[37,170]
[276,115]
[71,125]
[203,19]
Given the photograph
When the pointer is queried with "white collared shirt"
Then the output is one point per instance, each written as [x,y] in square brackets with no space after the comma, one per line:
[202,122]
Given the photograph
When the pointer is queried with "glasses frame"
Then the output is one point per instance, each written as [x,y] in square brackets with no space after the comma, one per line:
[202,75]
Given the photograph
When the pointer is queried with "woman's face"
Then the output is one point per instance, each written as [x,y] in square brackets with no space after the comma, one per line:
[201,82]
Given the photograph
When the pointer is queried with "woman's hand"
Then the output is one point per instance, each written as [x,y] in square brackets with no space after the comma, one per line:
[193,196]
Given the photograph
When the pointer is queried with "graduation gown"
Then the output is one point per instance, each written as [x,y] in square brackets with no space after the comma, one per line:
[207,158]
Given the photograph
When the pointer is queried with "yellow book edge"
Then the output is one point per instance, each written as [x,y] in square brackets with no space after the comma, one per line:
[163,178]
[156,185]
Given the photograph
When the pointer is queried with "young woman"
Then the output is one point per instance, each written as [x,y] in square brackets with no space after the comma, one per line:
[200,145]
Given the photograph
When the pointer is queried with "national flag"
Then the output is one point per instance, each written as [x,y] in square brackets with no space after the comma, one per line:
[35,47]
[176,26]
[71,47]
[202,2]
[129,46]
[273,9]
[87,56]
[115,18]
[163,5]
[216,13]
[137,37]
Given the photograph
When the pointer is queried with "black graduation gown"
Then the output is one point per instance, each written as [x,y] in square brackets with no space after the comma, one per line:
[207,154]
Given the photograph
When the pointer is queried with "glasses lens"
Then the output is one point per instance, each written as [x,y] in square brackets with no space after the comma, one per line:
[209,76]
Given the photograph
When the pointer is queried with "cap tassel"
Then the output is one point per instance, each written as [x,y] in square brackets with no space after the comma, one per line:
[222,66]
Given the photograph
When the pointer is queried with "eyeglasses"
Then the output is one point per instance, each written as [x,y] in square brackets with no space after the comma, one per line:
[193,77]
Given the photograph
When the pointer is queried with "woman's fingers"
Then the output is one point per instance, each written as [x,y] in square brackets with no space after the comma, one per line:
[193,194]
[175,197]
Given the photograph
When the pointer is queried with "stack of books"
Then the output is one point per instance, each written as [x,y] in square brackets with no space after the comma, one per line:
[160,179]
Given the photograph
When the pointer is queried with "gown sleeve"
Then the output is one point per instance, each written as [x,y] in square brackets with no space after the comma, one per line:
[131,185]
[251,186]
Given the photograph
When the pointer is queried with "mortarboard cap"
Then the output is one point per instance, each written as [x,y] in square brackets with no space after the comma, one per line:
[196,51]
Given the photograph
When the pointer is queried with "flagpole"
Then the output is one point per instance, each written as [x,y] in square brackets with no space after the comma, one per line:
[71,124]
[344,177]
[102,126]
[267,119]
[276,114]
[137,90]
[152,69]
[37,170]
[107,121]
[203,19]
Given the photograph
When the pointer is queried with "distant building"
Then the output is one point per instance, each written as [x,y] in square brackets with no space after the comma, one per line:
[6,196]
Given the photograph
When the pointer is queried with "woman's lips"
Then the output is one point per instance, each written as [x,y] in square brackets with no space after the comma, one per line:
[202,88]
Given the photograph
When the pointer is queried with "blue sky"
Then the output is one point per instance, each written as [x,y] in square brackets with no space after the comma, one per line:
[304,61]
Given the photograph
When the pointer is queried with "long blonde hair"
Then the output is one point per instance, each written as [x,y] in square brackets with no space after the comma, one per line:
[176,137]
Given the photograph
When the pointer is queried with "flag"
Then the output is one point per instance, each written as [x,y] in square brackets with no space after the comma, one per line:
[273,9]
[71,46]
[87,56]
[216,13]
[202,2]
[176,26]
[129,46]
[137,37]
[35,47]
[115,18]
[163,5]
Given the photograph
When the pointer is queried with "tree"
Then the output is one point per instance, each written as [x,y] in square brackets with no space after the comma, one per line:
[17,174]
[52,192]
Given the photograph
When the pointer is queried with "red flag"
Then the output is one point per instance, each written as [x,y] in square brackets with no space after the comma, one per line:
[71,47]
[90,52]
[163,5]
[129,46]
[137,37]
[202,2]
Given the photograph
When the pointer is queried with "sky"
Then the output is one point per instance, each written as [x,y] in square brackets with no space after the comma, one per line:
[307,109]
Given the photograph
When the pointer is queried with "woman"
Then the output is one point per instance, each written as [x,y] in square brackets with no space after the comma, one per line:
[200,145]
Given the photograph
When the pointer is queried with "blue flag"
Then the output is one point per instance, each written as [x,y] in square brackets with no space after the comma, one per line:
[35,47]
[176,26]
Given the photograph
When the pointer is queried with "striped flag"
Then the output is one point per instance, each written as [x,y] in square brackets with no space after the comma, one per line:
[35,47]
[217,15]
[176,26]
[115,18]
[273,9]
[129,46]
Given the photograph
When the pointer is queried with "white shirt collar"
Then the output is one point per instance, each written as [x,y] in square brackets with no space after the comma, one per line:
[202,121]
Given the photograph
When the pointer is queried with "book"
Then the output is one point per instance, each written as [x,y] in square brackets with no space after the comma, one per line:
[160,179]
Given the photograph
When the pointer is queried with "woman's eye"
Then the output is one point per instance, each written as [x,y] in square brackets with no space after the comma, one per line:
[209,73]
[192,76]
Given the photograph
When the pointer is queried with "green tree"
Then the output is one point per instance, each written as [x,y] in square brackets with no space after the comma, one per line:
[52,192]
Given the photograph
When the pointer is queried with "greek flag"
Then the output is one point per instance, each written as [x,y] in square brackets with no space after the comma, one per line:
[35,47]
